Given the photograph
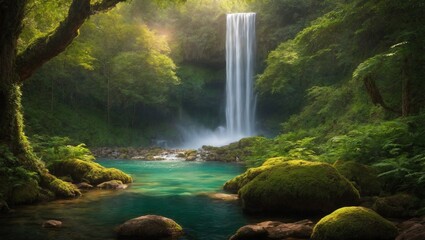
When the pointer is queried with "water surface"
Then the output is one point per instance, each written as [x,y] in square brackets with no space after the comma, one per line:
[174,189]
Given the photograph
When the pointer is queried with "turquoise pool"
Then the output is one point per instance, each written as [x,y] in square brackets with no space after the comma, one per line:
[175,189]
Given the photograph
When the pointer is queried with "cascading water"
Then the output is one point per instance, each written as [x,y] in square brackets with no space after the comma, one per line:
[240,100]
[240,56]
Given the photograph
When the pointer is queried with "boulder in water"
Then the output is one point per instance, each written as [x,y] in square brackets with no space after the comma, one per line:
[354,223]
[150,227]
[52,224]
[298,186]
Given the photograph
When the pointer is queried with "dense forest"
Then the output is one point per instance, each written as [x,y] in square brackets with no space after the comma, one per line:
[337,82]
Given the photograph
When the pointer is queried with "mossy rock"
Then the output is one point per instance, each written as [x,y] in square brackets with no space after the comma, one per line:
[233,185]
[364,178]
[86,171]
[354,223]
[397,206]
[298,186]
[64,189]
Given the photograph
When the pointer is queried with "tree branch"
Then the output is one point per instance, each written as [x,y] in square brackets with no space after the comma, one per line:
[49,46]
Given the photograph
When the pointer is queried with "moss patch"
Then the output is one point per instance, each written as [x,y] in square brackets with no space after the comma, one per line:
[64,189]
[363,177]
[233,185]
[86,171]
[354,223]
[298,186]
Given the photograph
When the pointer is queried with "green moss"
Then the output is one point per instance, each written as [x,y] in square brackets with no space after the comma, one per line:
[64,189]
[233,185]
[86,171]
[398,206]
[354,223]
[25,192]
[298,186]
[364,178]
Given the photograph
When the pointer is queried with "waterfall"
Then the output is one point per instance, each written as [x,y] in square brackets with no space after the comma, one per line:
[240,56]
[240,100]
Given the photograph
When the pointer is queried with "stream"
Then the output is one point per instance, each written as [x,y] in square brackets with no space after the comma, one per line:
[174,189]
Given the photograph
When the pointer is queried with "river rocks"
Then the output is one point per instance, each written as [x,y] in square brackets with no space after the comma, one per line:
[191,155]
[298,186]
[148,154]
[150,227]
[412,229]
[234,152]
[275,230]
[363,177]
[248,232]
[223,196]
[84,186]
[87,171]
[113,184]
[354,223]
[52,224]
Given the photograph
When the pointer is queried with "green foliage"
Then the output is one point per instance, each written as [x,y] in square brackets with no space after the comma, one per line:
[298,186]
[51,149]
[364,178]
[354,223]
[20,185]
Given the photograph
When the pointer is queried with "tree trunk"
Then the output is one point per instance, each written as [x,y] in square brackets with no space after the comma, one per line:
[12,135]
[11,125]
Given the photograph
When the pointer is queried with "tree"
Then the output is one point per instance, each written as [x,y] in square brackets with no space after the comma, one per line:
[16,68]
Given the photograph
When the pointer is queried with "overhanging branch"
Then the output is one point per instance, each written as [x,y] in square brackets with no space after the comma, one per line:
[49,46]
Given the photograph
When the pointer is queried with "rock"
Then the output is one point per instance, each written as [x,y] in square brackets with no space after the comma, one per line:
[113,184]
[84,185]
[409,223]
[363,177]
[248,232]
[52,224]
[191,155]
[233,185]
[354,223]
[414,232]
[401,205]
[150,227]
[298,186]
[302,229]
[275,230]
[223,196]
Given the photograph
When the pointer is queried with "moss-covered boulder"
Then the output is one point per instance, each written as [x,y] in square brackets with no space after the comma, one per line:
[363,177]
[397,206]
[298,186]
[233,185]
[150,227]
[87,171]
[354,223]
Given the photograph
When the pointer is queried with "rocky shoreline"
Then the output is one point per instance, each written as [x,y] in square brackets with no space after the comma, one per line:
[206,153]
[147,154]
